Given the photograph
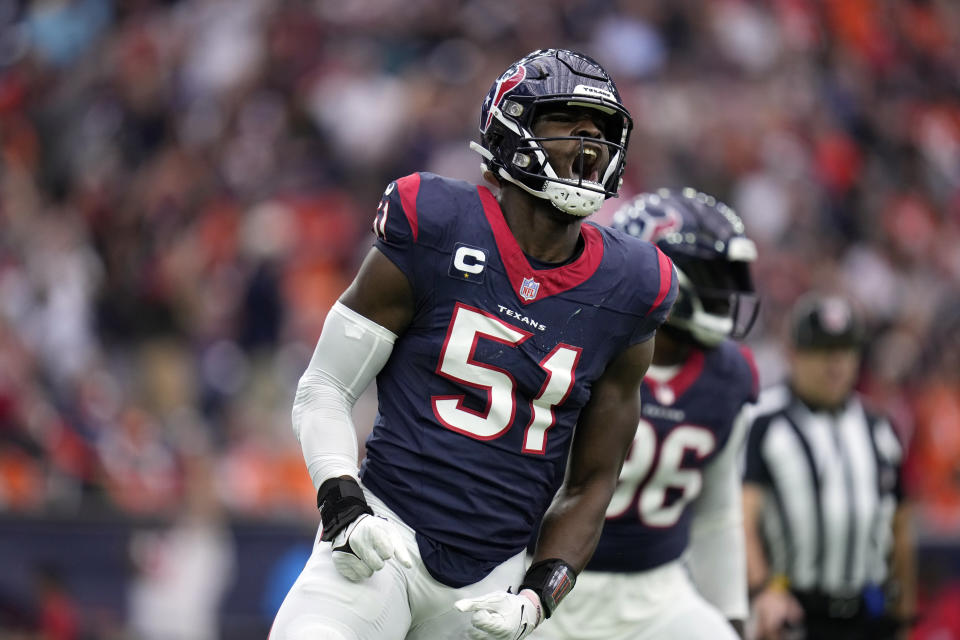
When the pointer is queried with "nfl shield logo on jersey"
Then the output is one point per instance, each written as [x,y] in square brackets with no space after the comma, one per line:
[529,288]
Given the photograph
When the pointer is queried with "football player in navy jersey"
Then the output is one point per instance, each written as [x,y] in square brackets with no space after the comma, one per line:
[679,494]
[493,325]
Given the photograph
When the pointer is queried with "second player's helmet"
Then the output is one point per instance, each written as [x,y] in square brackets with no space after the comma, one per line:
[705,239]
[548,78]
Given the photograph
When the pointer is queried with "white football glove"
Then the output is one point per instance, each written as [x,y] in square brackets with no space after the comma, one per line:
[365,545]
[502,615]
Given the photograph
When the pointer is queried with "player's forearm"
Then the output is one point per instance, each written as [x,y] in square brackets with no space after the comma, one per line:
[571,527]
[324,426]
[718,565]
[757,567]
[717,553]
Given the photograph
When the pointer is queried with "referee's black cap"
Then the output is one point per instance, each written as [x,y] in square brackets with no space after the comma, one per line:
[825,322]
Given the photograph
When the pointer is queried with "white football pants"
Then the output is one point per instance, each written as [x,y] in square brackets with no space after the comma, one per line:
[660,604]
[395,603]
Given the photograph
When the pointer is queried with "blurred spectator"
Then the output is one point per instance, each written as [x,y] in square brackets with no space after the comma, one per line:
[183,573]
[62,30]
[58,616]
[934,465]
[941,619]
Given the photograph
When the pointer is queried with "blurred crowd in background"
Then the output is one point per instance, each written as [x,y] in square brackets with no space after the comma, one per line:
[187,185]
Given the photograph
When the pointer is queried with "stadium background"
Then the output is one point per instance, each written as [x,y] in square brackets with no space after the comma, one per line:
[186,186]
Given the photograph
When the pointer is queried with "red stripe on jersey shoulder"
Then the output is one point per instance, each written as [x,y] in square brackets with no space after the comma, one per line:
[408,187]
[666,278]
[689,372]
[747,354]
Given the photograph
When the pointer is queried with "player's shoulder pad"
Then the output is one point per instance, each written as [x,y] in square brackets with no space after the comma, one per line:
[421,207]
[772,402]
[650,279]
[735,362]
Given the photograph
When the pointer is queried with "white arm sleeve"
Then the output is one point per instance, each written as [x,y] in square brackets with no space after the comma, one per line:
[717,556]
[350,352]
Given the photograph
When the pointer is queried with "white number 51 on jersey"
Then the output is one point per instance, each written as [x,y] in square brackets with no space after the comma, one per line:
[457,363]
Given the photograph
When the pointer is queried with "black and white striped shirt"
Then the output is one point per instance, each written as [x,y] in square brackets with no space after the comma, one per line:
[832,484]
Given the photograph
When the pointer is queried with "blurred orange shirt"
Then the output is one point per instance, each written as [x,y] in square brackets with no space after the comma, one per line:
[935,456]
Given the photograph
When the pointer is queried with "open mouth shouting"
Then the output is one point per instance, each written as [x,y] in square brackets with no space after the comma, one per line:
[586,165]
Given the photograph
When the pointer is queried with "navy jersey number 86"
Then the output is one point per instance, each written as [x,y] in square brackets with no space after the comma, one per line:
[688,420]
[646,486]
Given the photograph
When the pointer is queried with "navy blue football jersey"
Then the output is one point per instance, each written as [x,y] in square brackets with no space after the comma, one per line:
[685,423]
[479,398]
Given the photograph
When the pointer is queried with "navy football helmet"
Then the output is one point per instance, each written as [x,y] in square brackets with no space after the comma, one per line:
[549,78]
[705,239]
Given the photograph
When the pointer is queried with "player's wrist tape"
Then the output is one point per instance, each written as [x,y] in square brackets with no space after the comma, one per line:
[340,501]
[551,580]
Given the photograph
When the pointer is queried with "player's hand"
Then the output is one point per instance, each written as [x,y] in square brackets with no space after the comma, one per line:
[502,615]
[365,546]
[776,611]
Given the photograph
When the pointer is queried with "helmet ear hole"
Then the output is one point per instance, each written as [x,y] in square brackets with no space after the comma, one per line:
[493,141]
[683,305]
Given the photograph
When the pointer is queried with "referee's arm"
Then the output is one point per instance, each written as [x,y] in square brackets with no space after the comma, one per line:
[903,566]
[716,559]
[903,560]
[757,569]
[772,605]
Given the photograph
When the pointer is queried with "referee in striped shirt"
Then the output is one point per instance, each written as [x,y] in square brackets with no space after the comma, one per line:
[828,547]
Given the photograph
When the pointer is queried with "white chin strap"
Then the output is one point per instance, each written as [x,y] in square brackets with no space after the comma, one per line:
[576,201]
[571,199]
[708,329]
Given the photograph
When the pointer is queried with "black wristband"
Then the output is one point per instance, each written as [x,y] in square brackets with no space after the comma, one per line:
[551,580]
[340,501]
